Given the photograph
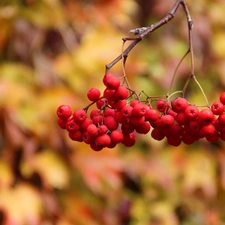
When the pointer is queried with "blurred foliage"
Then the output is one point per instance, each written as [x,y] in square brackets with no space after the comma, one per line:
[51,53]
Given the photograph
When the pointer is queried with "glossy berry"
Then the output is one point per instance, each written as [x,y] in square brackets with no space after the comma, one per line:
[179,105]
[162,106]
[217,108]
[64,112]
[205,116]
[191,112]
[116,136]
[222,98]
[111,81]
[79,115]
[93,94]
[103,140]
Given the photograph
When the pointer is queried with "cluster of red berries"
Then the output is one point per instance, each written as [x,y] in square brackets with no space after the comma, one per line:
[116,119]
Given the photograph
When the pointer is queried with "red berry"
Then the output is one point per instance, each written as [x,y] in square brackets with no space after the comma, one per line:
[181,118]
[93,94]
[127,128]
[126,111]
[111,81]
[116,136]
[157,134]
[76,136]
[143,128]
[134,102]
[162,105]
[191,112]
[222,98]
[129,140]
[64,112]
[110,122]
[71,126]
[92,129]
[214,137]
[167,121]
[87,138]
[101,103]
[102,129]
[217,108]
[174,141]
[109,112]
[221,119]
[103,140]
[79,115]
[179,105]
[119,104]
[208,130]
[85,124]
[122,92]
[151,115]
[139,109]
[95,147]
[205,116]
[109,94]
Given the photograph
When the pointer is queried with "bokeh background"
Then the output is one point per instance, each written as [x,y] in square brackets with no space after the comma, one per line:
[51,53]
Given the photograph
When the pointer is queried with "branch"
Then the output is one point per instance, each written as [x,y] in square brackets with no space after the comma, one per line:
[144,31]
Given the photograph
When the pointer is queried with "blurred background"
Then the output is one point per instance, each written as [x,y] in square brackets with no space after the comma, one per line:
[51,53]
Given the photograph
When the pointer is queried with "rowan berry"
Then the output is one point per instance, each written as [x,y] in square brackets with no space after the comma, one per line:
[179,104]
[109,94]
[79,115]
[103,140]
[71,126]
[85,124]
[92,129]
[116,136]
[221,119]
[167,121]
[137,121]
[174,141]
[214,137]
[109,112]
[144,128]
[162,106]
[127,128]
[191,112]
[93,94]
[101,103]
[126,111]
[181,118]
[157,134]
[222,98]
[62,123]
[64,112]
[111,81]
[217,108]
[139,109]
[87,138]
[205,116]
[122,92]
[102,129]
[151,115]
[76,136]
[129,140]
[110,122]
[208,130]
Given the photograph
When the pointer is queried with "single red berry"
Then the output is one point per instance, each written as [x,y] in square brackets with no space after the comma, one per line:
[191,112]
[93,94]
[167,121]
[208,130]
[179,104]
[137,121]
[64,112]
[79,115]
[62,123]
[102,129]
[119,104]
[157,134]
[92,129]
[97,119]
[111,81]
[221,119]
[76,136]
[205,116]
[109,112]
[173,141]
[171,112]
[129,140]
[195,125]
[222,98]
[109,94]
[94,113]
[85,124]
[101,103]
[214,137]
[217,108]
[181,118]
[176,130]
[103,140]
[87,138]
[71,126]
[122,92]
[134,102]
[162,106]
[126,111]
[119,117]
[139,109]
[127,128]
[116,136]
[110,122]
[143,128]
[188,139]
[95,147]
[151,115]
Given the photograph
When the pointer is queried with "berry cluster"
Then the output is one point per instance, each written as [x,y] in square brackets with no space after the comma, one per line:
[117,118]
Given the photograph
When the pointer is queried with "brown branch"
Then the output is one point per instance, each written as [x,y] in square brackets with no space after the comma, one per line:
[143,32]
